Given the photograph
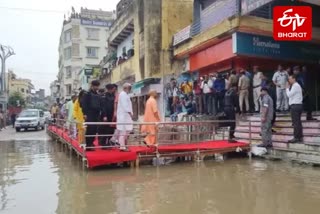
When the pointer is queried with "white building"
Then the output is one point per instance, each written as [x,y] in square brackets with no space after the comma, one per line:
[83,43]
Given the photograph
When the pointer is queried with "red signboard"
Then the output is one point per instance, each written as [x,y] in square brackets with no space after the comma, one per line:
[211,55]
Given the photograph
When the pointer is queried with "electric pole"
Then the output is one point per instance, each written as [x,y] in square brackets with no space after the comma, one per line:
[5,53]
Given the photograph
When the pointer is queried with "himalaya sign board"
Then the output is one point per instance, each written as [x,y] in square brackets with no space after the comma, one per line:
[98,23]
[248,6]
[264,46]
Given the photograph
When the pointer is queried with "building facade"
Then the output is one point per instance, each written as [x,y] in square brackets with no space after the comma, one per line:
[82,45]
[20,85]
[140,44]
[235,34]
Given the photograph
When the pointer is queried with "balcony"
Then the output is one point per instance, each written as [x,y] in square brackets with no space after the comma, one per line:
[122,27]
[213,15]
[124,70]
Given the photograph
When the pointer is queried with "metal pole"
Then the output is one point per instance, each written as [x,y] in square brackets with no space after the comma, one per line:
[5,53]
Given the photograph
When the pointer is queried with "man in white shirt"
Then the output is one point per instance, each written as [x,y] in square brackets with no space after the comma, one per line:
[124,116]
[280,79]
[257,79]
[206,86]
[294,92]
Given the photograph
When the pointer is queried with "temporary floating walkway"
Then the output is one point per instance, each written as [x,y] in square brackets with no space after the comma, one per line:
[100,157]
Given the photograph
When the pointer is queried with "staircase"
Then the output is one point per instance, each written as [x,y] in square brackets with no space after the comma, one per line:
[307,152]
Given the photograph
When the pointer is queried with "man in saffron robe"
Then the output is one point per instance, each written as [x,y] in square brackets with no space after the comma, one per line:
[151,115]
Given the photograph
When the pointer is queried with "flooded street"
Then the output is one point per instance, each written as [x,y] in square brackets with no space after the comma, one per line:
[36,176]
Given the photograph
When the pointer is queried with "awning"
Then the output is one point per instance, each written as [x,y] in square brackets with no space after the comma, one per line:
[145,82]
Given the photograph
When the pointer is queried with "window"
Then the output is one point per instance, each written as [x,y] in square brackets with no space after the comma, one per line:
[124,50]
[67,36]
[68,72]
[93,33]
[92,52]
[22,90]
[67,53]
[69,89]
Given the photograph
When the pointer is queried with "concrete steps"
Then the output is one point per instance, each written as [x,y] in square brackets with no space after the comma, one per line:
[280,130]
[308,152]
[281,124]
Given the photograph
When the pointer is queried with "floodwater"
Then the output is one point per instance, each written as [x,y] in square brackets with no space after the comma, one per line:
[38,177]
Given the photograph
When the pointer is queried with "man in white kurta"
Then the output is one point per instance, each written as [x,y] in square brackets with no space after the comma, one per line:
[124,116]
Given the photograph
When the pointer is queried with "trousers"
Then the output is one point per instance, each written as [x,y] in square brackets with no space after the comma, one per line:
[231,115]
[296,112]
[91,129]
[266,133]
[244,98]
[256,96]
[123,138]
[282,99]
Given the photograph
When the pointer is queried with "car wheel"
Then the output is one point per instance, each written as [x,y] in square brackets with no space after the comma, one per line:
[38,127]
[17,129]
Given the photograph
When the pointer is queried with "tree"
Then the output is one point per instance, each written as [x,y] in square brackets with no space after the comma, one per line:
[17,100]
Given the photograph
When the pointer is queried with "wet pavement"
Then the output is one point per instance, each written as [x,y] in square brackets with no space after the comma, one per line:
[36,176]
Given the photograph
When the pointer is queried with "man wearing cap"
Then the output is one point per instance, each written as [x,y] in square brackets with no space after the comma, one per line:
[107,115]
[266,112]
[91,110]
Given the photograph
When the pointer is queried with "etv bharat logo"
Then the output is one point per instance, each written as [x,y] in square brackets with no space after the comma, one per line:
[292,23]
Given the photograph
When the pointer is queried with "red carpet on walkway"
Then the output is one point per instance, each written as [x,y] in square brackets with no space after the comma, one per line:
[101,157]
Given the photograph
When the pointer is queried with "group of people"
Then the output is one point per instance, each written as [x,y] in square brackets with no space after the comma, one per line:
[285,92]
[106,105]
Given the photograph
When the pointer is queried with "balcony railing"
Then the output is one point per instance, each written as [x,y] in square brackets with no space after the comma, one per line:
[211,16]
[182,36]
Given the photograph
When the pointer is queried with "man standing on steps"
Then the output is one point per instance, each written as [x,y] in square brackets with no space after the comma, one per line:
[294,92]
[230,106]
[280,79]
[266,118]
[257,79]
[244,84]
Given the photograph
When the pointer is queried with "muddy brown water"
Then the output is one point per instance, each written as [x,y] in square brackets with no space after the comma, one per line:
[38,177]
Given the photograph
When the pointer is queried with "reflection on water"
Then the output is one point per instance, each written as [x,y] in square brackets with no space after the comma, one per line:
[38,177]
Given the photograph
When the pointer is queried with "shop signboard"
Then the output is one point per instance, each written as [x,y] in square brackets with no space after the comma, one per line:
[248,6]
[98,23]
[88,71]
[264,46]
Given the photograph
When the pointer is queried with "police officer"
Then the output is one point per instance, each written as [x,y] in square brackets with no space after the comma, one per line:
[230,105]
[91,107]
[107,113]
[266,112]
[280,79]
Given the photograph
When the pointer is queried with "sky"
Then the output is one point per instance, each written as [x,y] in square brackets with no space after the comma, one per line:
[34,35]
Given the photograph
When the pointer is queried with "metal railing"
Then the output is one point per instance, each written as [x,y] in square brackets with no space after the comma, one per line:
[164,133]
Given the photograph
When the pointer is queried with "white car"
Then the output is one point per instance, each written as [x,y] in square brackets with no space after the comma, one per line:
[30,119]
[47,117]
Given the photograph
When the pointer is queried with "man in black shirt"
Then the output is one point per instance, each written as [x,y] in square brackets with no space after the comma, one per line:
[107,115]
[230,106]
[91,107]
